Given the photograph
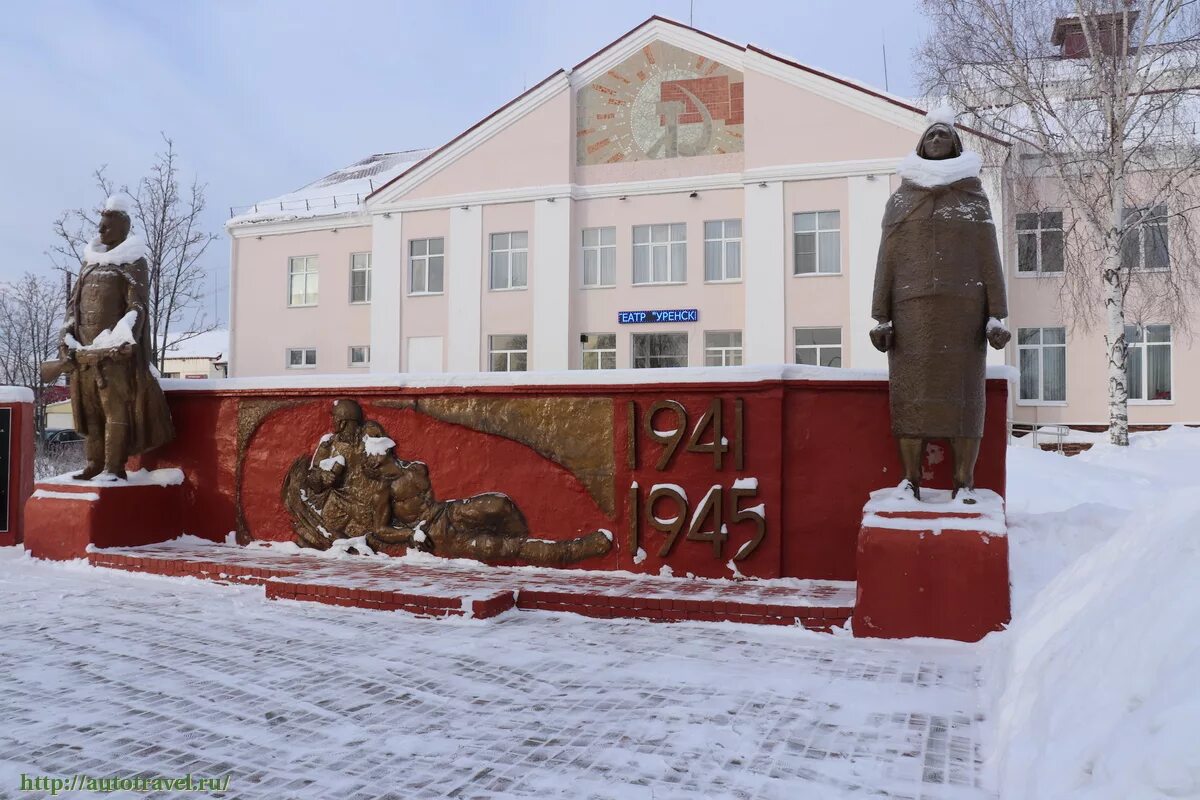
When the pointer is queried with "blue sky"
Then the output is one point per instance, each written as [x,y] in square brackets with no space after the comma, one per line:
[263,97]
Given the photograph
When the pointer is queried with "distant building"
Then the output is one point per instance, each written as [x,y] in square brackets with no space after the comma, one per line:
[674,199]
[204,355]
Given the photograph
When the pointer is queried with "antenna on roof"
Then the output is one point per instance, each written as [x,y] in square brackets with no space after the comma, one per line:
[691,13]
[883,42]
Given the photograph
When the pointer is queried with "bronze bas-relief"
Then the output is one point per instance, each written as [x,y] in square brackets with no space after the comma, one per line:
[937,282]
[116,401]
[354,486]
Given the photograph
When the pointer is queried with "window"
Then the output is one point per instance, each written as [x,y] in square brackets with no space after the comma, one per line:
[426,265]
[818,243]
[1145,245]
[1040,243]
[508,353]
[599,350]
[510,260]
[360,277]
[1042,356]
[722,348]
[723,250]
[301,357]
[302,281]
[819,347]
[1148,363]
[599,256]
[660,350]
[360,356]
[660,253]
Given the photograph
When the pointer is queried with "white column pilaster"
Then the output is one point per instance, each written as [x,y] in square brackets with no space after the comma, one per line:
[464,287]
[868,196]
[551,274]
[387,278]
[765,274]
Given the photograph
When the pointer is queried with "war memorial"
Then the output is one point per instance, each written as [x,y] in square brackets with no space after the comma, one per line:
[780,495]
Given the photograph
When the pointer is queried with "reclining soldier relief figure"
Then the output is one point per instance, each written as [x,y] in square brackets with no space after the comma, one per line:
[354,486]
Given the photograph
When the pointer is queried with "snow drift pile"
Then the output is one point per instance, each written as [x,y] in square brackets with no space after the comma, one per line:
[1099,673]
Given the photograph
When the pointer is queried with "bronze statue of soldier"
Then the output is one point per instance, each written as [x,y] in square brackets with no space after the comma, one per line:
[106,350]
[939,300]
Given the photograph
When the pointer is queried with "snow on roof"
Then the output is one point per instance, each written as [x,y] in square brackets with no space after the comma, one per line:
[341,192]
[210,344]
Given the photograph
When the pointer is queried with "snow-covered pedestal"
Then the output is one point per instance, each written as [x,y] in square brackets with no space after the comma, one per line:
[937,568]
[64,516]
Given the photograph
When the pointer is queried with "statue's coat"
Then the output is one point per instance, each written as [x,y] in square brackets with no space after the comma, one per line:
[938,279]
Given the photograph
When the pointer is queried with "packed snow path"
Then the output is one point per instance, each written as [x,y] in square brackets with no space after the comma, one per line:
[113,674]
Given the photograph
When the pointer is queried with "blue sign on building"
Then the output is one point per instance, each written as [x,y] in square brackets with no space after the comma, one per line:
[663,315]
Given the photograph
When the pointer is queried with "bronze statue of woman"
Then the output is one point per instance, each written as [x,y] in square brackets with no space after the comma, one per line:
[939,300]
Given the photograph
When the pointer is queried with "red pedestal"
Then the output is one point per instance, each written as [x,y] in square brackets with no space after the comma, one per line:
[63,517]
[16,461]
[936,569]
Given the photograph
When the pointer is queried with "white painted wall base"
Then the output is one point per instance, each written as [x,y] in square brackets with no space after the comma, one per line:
[425,354]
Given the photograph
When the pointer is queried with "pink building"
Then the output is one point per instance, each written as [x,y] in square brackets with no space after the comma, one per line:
[672,200]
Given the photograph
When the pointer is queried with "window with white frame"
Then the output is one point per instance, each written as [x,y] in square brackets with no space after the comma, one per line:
[1040,243]
[510,260]
[599,257]
[426,265]
[302,281]
[818,242]
[1148,362]
[659,350]
[723,250]
[360,355]
[599,350]
[1145,244]
[660,253]
[722,348]
[1042,358]
[360,277]
[508,353]
[301,357]
[818,347]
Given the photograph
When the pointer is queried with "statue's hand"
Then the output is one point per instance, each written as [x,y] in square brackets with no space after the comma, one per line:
[997,335]
[882,336]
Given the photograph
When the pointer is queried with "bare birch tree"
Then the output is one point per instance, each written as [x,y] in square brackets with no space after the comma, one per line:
[31,313]
[1104,129]
[167,217]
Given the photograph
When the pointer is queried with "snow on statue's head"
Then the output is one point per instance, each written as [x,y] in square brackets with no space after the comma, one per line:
[940,140]
[115,220]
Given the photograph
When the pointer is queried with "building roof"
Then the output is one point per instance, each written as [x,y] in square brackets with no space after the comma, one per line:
[341,192]
[210,344]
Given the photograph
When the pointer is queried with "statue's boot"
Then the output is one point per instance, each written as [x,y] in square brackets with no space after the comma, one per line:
[114,449]
[94,452]
[569,551]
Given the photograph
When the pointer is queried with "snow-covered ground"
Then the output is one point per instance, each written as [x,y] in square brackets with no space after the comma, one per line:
[1097,694]
[1090,694]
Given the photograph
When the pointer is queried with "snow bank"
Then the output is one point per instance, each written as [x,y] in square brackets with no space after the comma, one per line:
[1097,673]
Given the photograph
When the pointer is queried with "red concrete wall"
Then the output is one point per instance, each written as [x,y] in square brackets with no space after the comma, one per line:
[20,471]
[816,449]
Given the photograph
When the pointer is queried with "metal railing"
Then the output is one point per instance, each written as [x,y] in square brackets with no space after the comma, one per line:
[1019,430]
[308,204]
